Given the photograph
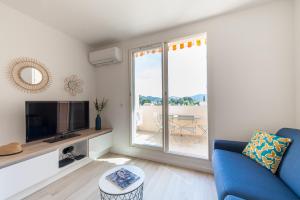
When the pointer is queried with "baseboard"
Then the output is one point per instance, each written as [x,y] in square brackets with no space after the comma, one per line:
[103,153]
[95,156]
[41,185]
[170,159]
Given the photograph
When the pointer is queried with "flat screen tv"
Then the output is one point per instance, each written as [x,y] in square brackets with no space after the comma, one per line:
[45,119]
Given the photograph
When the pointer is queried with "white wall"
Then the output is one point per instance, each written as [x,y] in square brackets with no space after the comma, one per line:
[63,56]
[250,77]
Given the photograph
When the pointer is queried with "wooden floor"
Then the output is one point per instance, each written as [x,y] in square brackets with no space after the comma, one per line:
[162,182]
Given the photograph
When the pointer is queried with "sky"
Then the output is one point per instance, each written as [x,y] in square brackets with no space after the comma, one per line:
[187,73]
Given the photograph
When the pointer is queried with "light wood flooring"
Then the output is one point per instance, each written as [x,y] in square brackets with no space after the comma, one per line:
[162,182]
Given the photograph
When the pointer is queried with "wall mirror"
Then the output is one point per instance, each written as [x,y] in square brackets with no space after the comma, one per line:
[29,75]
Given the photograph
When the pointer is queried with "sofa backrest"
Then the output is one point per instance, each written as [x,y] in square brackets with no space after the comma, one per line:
[289,169]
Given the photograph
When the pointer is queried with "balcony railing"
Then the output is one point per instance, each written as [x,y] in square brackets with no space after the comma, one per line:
[183,120]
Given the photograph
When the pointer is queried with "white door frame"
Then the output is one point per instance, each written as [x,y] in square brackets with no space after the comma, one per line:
[132,96]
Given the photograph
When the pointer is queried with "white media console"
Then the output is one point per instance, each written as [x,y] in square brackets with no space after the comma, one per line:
[38,164]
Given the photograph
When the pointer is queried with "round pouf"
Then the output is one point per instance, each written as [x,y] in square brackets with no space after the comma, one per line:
[109,191]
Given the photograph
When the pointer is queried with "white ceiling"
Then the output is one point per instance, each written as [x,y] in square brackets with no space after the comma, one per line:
[100,21]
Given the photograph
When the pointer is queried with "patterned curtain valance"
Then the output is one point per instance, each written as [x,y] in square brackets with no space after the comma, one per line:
[175,46]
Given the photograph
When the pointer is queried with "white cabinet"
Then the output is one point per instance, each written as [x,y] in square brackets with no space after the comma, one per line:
[18,177]
[27,176]
[100,145]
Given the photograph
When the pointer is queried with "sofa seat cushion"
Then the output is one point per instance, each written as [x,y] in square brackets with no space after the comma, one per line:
[237,175]
[289,168]
[231,197]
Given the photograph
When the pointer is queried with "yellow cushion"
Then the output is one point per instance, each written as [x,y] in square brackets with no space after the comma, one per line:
[267,149]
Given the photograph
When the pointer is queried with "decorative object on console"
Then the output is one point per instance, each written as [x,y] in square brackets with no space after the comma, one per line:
[10,149]
[98,122]
[29,75]
[99,108]
[267,149]
[73,85]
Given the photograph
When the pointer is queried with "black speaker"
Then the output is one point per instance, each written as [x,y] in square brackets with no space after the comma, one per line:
[68,150]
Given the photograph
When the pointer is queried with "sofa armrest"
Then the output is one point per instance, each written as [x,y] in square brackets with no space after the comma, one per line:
[234,146]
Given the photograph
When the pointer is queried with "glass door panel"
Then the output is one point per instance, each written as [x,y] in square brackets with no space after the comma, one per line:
[147,103]
[187,97]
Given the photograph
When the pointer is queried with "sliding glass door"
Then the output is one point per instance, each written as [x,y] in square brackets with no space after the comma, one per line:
[187,99]
[147,109]
[169,96]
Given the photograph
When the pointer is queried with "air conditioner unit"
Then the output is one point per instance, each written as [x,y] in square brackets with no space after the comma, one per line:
[106,56]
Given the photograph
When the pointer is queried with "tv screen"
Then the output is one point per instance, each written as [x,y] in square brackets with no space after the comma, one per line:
[47,119]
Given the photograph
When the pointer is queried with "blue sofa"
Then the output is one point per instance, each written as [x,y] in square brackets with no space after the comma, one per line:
[239,177]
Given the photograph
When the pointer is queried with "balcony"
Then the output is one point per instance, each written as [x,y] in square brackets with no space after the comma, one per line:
[188,133]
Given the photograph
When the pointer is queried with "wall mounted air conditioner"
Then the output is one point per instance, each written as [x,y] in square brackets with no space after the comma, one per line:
[106,56]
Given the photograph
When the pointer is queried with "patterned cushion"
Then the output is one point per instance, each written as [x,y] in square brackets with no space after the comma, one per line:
[267,149]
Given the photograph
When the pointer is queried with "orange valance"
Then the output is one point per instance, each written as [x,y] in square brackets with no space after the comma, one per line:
[175,46]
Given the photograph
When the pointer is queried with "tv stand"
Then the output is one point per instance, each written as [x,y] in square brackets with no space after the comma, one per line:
[38,164]
[61,137]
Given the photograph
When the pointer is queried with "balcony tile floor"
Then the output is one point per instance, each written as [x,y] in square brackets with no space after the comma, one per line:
[189,145]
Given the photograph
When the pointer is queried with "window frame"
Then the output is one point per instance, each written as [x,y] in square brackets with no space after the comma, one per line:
[165,133]
[132,96]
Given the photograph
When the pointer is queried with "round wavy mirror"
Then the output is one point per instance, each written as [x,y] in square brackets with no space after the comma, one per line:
[29,74]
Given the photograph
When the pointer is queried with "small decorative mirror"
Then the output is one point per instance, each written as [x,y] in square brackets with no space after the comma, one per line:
[29,75]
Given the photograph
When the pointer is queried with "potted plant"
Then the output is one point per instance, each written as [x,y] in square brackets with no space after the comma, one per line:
[99,106]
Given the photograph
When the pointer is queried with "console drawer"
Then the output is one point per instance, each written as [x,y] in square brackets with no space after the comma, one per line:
[18,177]
[98,145]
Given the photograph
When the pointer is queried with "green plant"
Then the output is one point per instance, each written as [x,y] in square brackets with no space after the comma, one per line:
[99,106]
